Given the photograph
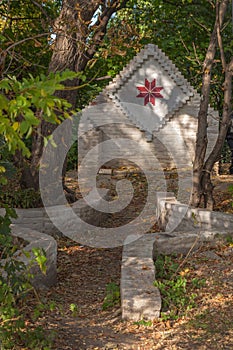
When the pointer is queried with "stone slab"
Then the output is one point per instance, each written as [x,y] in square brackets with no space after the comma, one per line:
[140,299]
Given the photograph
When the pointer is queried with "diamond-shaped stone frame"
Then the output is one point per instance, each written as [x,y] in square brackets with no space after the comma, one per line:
[166,64]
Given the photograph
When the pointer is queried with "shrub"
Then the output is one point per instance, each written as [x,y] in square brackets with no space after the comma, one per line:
[112,297]
[176,290]
[27,198]
[15,286]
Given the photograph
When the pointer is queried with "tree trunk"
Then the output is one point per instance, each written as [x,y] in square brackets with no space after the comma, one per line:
[75,45]
[201,143]
[216,152]
[77,40]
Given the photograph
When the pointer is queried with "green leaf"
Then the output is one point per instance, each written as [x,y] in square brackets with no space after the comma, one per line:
[30,117]
[41,259]
[29,132]
[51,139]
[22,101]
[24,126]
[3,180]
[27,254]
[3,102]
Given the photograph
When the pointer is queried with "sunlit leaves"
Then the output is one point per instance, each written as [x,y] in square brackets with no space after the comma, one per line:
[28,22]
[24,103]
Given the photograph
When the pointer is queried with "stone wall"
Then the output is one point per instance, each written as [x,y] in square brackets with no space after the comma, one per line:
[173,146]
[38,220]
[140,299]
[172,214]
[35,239]
[36,228]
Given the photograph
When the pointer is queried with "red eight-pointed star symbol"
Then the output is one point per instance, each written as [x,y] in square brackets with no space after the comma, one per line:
[150,92]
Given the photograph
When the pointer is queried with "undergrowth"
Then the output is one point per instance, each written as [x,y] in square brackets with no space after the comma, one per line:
[16,318]
[178,292]
[26,198]
[112,297]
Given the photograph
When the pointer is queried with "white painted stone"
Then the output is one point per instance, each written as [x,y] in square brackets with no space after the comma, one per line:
[119,112]
[37,239]
[140,299]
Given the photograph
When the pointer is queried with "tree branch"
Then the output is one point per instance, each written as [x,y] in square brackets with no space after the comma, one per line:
[26,39]
[41,8]
[101,24]
[219,37]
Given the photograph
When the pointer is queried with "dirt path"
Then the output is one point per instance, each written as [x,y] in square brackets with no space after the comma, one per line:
[84,273]
[83,276]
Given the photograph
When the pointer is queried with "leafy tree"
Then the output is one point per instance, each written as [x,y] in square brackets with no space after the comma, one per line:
[25,34]
[23,106]
[74,37]
[202,168]
[99,37]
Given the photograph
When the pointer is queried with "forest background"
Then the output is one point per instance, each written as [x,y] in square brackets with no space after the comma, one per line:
[55,57]
[84,44]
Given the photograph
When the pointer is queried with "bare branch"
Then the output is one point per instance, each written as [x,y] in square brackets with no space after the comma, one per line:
[200,24]
[102,22]
[195,52]
[41,9]
[220,44]
[26,39]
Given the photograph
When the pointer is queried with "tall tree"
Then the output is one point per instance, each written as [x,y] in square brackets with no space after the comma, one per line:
[25,27]
[202,186]
[80,30]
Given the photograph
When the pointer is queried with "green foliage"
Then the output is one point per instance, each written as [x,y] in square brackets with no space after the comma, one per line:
[74,309]
[144,323]
[180,28]
[165,266]
[7,169]
[230,189]
[27,198]
[198,282]
[229,240]
[112,297]
[23,103]
[15,285]
[225,154]
[25,31]
[72,157]
[40,258]
[177,296]
[175,300]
